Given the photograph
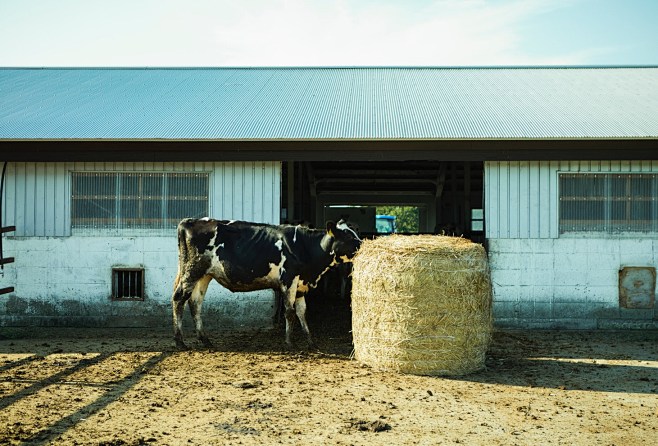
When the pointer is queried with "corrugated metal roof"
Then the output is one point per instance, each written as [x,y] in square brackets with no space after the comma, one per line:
[328,103]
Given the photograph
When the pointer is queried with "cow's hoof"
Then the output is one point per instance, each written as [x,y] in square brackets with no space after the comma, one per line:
[312,346]
[206,342]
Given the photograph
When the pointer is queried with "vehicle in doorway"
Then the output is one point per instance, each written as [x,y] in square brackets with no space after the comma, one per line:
[385,224]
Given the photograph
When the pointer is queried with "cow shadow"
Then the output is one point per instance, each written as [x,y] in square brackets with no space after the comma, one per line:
[599,361]
[330,323]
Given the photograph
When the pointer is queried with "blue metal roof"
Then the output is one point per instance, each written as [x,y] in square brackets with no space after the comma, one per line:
[328,103]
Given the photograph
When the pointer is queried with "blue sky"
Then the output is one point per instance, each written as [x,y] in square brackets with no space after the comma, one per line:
[327,32]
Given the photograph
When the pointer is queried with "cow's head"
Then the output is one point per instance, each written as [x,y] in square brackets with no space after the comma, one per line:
[344,242]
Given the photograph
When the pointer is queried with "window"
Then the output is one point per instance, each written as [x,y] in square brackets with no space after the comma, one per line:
[477,220]
[608,202]
[141,200]
[127,284]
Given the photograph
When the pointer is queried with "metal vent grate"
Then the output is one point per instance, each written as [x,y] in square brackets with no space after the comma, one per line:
[127,283]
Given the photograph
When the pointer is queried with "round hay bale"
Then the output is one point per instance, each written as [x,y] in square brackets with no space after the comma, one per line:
[421,304]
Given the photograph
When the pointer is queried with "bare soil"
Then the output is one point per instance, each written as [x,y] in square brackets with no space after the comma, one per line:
[131,387]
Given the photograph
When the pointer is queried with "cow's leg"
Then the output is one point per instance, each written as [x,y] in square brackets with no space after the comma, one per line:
[178,300]
[300,309]
[289,295]
[198,293]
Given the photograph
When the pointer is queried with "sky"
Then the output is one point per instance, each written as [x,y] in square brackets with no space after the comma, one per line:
[246,33]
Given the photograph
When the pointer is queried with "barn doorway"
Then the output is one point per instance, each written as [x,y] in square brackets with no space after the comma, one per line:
[444,197]
[447,196]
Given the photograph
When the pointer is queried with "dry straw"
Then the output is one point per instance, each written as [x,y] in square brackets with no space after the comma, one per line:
[421,305]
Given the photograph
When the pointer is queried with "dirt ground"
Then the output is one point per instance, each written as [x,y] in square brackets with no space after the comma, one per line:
[130,387]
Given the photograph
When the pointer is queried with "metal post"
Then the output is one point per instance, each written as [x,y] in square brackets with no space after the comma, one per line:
[2,187]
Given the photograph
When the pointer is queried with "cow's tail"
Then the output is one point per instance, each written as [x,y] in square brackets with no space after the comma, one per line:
[183,250]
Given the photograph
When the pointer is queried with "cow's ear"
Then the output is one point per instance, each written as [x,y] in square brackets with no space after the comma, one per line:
[331,226]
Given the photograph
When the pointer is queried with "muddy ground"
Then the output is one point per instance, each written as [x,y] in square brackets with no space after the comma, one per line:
[130,387]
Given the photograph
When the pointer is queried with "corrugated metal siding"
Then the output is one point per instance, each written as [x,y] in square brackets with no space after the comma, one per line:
[37,195]
[36,199]
[521,197]
[329,103]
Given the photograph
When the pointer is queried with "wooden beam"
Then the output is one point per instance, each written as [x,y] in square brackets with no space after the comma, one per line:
[290,192]
[7,229]
[310,176]
[440,180]
[313,190]
[453,194]
[467,198]
[9,289]
[440,184]
[6,260]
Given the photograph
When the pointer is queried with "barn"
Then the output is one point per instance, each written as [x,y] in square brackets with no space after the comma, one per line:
[554,169]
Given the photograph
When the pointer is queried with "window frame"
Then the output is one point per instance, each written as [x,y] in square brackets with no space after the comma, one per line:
[120,225]
[610,227]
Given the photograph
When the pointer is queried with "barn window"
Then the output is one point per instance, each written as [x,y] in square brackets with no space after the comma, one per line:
[127,283]
[477,220]
[139,200]
[608,202]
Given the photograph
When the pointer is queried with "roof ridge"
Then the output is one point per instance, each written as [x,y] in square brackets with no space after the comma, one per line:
[345,67]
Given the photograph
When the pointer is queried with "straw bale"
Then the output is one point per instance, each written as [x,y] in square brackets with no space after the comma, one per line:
[421,304]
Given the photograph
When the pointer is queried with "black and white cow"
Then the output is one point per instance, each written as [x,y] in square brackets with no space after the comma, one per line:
[244,256]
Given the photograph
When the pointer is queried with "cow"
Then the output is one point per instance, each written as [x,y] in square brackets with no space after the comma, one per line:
[244,256]
[341,276]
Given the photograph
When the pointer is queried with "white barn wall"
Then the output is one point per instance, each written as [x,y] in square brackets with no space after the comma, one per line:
[545,280]
[65,278]
[37,195]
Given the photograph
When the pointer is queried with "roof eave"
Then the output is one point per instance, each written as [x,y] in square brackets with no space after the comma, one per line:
[161,150]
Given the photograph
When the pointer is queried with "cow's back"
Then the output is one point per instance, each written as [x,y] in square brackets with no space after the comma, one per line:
[241,256]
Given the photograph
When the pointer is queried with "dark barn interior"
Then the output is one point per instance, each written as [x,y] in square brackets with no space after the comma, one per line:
[445,192]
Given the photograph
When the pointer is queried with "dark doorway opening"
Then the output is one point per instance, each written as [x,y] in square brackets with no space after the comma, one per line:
[448,195]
